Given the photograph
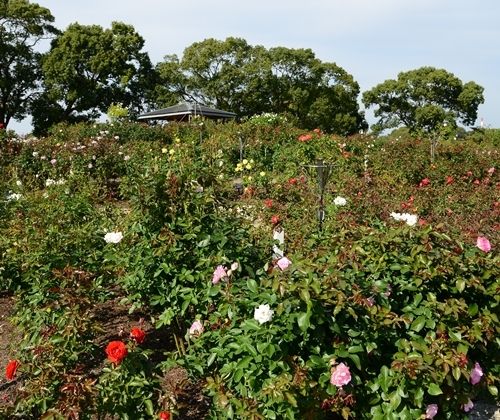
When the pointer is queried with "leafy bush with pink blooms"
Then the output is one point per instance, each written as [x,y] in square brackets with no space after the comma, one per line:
[146,279]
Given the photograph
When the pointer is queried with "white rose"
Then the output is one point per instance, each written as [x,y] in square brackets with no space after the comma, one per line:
[113,237]
[411,219]
[340,201]
[263,314]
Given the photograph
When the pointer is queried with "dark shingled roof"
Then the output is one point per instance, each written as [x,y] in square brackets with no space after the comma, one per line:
[186,109]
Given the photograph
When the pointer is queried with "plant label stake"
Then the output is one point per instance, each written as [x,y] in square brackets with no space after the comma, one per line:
[279,236]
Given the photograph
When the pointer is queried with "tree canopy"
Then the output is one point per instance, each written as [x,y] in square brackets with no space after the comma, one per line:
[22,26]
[87,69]
[248,80]
[424,99]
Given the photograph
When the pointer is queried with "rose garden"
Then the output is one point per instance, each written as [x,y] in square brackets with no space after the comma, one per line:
[183,272]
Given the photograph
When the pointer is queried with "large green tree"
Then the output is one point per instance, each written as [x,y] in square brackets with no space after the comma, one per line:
[423,100]
[22,26]
[87,69]
[248,80]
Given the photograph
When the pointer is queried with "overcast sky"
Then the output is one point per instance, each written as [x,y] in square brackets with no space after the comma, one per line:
[373,40]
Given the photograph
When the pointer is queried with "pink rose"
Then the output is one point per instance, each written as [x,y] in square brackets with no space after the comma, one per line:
[483,244]
[468,406]
[284,263]
[196,328]
[340,375]
[432,410]
[219,273]
[424,182]
[475,374]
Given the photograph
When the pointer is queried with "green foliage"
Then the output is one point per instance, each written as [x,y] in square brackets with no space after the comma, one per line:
[249,80]
[423,99]
[87,69]
[22,25]
[117,113]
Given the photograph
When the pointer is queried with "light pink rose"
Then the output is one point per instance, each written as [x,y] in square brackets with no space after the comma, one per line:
[475,374]
[432,410]
[284,263]
[340,375]
[196,328]
[468,406]
[483,244]
[491,171]
[219,273]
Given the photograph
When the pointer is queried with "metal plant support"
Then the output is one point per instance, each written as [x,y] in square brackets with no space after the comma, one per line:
[323,170]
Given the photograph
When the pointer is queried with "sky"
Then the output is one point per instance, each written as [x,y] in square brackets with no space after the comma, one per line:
[373,40]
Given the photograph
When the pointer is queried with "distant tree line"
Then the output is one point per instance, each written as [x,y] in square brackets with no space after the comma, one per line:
[89,68]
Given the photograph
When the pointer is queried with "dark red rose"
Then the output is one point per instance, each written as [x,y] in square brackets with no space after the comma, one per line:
[138,335]
[116,351]
[11,369]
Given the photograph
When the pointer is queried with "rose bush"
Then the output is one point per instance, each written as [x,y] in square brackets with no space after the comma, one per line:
[371,318]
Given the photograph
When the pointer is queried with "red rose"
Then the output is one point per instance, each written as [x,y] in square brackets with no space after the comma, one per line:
[275,219]
[11,368]
[138,335]
[164,415]
[292,181]
[268,203]
[449,180]
[116,351]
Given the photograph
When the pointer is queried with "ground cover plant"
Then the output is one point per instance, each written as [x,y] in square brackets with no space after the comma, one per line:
[139,275]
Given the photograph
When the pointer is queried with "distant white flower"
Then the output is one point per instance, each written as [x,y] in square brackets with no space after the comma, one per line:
[410,219]
[90,166]
[263,314]
[13,196]
[53,161]
[117,137]
[113,237]
[19,183]
[234,266]
[35,154]
[340,201]
[49,182]
[126,157]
